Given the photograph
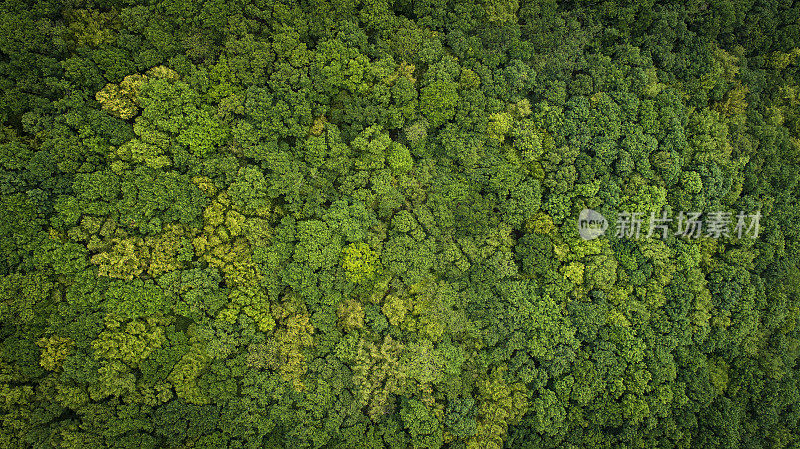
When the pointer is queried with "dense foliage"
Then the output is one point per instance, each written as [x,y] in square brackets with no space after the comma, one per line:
[352,224]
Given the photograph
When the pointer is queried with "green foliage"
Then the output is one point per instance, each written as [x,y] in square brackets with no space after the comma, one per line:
[351,224]
[122,100]
[438,101]
[359,262]
[422,424]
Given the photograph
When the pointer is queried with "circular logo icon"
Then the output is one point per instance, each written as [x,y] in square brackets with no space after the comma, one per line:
[591,224]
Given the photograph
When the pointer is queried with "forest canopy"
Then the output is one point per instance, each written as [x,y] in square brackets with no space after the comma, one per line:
[354,224]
